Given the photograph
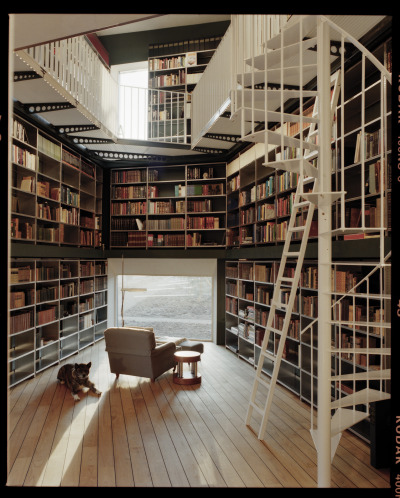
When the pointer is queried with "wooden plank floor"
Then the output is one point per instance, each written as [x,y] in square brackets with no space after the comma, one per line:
[144,434]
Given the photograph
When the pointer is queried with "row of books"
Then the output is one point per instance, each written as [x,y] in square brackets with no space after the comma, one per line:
[247,216]
[208,222]
[284,205]
[160,240]
[21,321]
[233,184]
[130,176]
[86,305]
[231,305]
[21,298]
[21,229]
[172,48]
[367,145]
[100,299]
[49,147]
[129,192]
[127,224]
[69,289]
[19,131]
[197,173]
[175,62]
[21,274]
[309,306]
[70,197]
[87,269]
[247,196]
[86,286]
[46,294]
[128,208]
[309,277]
[163,80]
[47,315]
[166,224]
[23,157]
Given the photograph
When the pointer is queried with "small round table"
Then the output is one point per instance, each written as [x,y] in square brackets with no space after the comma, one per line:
[191,376]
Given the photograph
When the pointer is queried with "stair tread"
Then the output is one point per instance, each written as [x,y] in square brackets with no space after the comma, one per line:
[292,50]
[273,116]
[361,397]
[290,75]
[292,30]
[345,418]
[370,375]
[277,138]
[375,351]
[294,165]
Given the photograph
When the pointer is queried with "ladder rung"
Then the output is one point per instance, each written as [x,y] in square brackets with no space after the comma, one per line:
[286,279]
[278,304]
[277,331]
[297,229]
[257,408]
[291,254]
[301,204]
[271,357]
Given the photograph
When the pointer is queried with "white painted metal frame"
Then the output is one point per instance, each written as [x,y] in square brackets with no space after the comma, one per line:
[73,67]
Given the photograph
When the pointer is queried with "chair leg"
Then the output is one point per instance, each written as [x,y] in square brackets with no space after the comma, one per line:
[117,375]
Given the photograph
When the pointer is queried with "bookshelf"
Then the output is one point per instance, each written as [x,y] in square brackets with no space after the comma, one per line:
[174,70]
[362,148]
[356,290]
[259,197]
[56,194]
[170,207]
[259,203]
[57,308]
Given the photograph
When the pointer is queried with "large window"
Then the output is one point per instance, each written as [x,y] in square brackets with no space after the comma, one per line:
[133,109]
[175,306]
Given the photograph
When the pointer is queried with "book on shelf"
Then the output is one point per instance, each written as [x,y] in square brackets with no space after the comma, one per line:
[367,145]
[49,147]
[28,184]
[23,157]
[191,59]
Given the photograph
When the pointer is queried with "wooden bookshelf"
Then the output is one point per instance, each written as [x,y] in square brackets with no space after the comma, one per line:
[168,207]
[56,194]
[57,308]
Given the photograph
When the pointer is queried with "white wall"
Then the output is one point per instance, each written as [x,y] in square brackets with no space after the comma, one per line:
[163,266]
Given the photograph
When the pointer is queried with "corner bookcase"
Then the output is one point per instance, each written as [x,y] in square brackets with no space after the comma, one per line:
[364,322]
[56,194]
[57,308]
[169,207]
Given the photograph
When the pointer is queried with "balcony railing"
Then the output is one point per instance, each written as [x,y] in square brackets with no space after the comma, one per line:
[78,73]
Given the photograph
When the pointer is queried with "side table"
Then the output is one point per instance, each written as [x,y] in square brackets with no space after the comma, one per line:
[190,376]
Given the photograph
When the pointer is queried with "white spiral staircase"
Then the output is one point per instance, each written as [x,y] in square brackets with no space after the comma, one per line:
[295,67]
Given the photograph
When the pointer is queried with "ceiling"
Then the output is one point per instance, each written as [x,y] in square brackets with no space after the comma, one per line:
[49,27]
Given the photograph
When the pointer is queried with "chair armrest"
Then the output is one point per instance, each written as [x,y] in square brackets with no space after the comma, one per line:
[164,348]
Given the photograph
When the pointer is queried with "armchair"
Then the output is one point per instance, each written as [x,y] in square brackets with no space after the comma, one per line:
[133,351]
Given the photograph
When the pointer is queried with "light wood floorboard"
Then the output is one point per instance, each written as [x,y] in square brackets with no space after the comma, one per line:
[144,434]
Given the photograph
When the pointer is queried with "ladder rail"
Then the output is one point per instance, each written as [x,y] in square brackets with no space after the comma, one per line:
[288,307]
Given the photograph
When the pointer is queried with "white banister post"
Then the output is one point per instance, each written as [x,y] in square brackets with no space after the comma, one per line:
[324,258]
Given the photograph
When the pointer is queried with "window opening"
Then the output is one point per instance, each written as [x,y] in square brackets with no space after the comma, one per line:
[175,306]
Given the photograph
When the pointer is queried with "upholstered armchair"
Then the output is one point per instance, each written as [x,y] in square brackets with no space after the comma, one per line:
[133,351]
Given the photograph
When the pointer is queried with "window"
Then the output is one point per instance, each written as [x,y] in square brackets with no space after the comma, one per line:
[175,306]
[132,84]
